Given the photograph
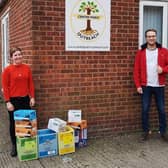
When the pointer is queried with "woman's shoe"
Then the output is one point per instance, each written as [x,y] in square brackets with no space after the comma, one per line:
[13,151]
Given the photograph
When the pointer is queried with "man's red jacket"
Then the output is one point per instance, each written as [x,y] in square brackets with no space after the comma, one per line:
[140,69]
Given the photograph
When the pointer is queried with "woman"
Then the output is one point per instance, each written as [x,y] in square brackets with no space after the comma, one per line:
[18,90]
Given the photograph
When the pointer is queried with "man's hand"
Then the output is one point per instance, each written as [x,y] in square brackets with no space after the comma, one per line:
[10,106]
[139,90]
[159,69]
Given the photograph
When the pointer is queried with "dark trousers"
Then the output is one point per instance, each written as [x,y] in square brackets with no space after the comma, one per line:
[18,103]
[158,93]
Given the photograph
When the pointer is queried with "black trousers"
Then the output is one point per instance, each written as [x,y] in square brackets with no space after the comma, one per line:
[18,103]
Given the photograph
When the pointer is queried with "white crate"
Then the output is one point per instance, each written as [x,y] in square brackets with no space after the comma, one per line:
[56,124]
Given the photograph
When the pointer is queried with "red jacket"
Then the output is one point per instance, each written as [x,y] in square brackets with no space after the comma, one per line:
[140,69]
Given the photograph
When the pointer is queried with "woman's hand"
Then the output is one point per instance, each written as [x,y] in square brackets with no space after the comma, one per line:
[32,102]
[10,106]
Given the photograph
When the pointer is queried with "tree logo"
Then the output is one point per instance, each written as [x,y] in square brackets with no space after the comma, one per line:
[88,20]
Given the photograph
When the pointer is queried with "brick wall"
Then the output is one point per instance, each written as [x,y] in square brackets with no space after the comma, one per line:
[20,26]
[98,83]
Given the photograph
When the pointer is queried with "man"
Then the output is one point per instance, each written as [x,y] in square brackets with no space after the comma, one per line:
[150,68]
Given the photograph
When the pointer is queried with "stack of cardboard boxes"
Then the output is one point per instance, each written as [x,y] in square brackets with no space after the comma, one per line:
[79,126]
[80,129]
[60,137]
[26,134]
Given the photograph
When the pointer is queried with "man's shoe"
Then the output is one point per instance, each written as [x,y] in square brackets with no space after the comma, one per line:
[164,137]
[13,151]
[145,136]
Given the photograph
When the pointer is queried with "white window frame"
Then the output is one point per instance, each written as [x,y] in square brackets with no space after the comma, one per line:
[5,38]
[164,21]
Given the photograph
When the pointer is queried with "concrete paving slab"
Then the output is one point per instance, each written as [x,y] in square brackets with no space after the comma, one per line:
[122,151]
[118,152]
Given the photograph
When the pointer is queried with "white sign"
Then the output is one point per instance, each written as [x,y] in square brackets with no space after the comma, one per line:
[88,25]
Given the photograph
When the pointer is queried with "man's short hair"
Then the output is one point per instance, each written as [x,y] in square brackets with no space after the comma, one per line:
[154,30]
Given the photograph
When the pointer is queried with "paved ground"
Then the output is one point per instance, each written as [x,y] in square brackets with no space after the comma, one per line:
[118,152]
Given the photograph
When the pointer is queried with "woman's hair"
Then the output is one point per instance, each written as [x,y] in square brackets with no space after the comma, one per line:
[13,50]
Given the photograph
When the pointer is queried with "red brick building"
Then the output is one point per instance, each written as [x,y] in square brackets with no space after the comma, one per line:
[98,83]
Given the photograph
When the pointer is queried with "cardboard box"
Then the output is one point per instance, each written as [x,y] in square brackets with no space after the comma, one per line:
[56,124]
[26,128]
[80,129]
[27,148]
[66,141]
[47,143]
[26,123]
[25,115]
[23,123]
[74,115]
[81,137]
[78,125]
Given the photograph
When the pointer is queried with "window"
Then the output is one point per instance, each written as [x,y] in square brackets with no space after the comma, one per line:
[153,14]
[5,39]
